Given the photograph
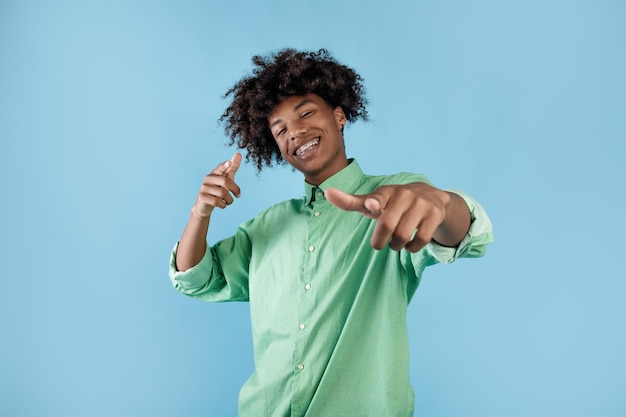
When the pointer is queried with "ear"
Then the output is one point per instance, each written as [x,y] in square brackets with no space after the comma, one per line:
[340,117]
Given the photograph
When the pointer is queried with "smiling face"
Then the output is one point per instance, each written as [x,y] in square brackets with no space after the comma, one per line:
[309,135]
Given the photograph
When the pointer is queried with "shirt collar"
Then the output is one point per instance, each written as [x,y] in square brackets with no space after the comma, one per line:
[348,179]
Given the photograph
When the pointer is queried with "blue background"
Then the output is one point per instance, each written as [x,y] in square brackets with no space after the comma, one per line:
[108,122]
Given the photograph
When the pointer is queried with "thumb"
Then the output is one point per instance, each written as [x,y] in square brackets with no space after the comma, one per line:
[233,165]
[373,205]
[367,206]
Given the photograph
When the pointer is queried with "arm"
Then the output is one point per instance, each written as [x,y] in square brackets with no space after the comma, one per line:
[409,216]
[456,223]
[215,191]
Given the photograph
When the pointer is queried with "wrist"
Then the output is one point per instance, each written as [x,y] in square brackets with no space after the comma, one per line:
[448,199]
[200,215]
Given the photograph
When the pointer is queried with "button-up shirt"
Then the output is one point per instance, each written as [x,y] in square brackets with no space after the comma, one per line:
[328,311]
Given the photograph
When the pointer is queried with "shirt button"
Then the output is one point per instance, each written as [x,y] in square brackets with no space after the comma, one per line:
[307,287]
[320,194]
[302,326]
[316,214]
[311,248]
[300,367]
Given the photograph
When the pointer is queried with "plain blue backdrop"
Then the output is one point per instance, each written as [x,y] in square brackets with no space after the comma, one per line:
[108,122]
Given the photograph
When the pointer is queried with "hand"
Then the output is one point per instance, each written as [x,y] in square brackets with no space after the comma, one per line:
[407,216]
[217,188]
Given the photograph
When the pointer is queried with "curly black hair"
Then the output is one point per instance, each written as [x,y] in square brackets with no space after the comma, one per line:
[276,77]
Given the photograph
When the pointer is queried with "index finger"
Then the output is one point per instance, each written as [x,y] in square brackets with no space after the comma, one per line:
[233,165]
[228,168]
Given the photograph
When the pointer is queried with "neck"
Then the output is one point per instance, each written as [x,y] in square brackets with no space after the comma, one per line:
[317,178]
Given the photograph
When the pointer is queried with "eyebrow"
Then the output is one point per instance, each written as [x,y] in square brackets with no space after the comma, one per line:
[296,107]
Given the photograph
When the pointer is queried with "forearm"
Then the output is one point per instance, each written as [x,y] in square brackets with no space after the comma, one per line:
[455,224]
[192,245]
[216,191]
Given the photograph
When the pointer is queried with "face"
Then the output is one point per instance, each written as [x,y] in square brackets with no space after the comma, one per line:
[309,135]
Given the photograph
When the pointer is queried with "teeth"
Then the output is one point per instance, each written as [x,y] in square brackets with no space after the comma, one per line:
[306,147]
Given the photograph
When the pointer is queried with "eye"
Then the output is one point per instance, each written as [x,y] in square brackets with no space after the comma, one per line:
[281,131]
[307,113]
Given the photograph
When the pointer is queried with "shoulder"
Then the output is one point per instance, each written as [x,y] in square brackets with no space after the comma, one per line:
[279,212]
[291,205]
[399,178]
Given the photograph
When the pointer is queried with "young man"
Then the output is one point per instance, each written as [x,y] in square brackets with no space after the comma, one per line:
[328,275]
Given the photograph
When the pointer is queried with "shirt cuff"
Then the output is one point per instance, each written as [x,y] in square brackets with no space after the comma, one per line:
[475,242]
[194,278]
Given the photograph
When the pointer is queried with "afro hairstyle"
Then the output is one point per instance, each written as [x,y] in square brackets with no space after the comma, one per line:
[280,75]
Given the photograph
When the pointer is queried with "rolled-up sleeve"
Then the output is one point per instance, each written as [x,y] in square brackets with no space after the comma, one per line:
[475,242]
[221,274]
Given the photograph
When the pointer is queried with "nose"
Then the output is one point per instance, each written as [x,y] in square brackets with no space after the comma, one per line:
[297,129]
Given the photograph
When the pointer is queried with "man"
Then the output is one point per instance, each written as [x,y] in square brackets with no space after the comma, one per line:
[329,275]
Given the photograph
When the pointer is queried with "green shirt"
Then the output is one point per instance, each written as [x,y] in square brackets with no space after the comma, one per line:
[328,311]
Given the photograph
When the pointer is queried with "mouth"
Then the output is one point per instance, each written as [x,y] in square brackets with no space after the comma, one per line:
[307,148]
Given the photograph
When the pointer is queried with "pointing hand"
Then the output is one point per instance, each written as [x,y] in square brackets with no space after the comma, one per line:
[407,216]
[217,187]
